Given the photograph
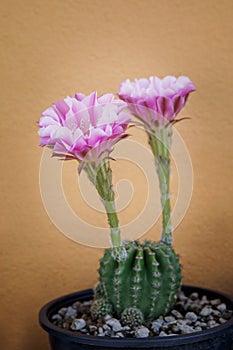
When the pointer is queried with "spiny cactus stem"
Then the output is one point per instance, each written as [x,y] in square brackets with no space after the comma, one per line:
[160,142]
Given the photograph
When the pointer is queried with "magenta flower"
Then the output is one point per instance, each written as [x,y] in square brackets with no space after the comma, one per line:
[152,99]
[84,126]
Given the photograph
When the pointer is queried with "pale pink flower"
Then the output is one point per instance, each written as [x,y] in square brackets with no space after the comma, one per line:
[85,127]
[154,98]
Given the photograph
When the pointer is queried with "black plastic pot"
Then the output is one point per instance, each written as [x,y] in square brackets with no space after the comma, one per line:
[218,338]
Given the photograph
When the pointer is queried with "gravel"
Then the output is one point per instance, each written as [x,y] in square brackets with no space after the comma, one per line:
[191,313]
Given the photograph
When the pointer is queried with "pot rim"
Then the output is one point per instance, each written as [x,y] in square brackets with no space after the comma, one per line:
[50,308]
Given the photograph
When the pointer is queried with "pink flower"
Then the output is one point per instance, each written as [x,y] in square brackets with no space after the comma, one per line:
[153,98]
[86,127]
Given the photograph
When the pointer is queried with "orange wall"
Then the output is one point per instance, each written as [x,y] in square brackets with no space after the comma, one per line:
[50,49]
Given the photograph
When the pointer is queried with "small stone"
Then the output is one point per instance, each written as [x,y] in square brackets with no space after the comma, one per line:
[194,296]
[78,323]
[198,329]
[206,311]
[126,328]
[92,328]
[76,305]
[120,335]
[169,319]
[106,327]
[227,314]
[101,334]
[65,325]
[187,306]
[185,329]
[191,316]
[204,300]
[210,317]
[195,307]
[222,320]
[182,296]
[62,311]
[215,302]
[100,330]
[163,334]
[56,317]
[142,332]
[114,324]
[184,322]
[165,327]
[175,328]
[222,307]
[211,323]
[87,303]
[84,330]
[107,317]
[176,314]
[70,313]
[203,325]
[216,313]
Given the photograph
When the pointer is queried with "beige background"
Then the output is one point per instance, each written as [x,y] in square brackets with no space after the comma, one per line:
[50,49]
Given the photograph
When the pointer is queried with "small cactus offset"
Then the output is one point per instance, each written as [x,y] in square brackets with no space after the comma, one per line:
[149,279]
[100,308]
[132,317]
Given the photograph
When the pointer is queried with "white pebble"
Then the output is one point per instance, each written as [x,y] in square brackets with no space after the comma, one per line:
[185,329]
[120,335]
[100,330]
[156,325]
[176,313]
[142,332]
[222,307]
[222,321]
[206,311]
[163,334]
[107,317]
[70,312]
[191,316]
[78,323]
[62,311]
[115,324]
[169,319]
[56,317]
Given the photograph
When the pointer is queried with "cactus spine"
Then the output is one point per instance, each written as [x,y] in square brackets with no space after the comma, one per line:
[148,279]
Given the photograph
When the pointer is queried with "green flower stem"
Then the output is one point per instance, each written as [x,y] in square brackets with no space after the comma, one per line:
[160,142]
[101,177]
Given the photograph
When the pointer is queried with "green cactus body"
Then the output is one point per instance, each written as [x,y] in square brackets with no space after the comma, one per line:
[149,278]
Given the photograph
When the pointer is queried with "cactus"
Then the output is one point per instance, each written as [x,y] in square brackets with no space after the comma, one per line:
[132,317]
[149,279]
[100,307]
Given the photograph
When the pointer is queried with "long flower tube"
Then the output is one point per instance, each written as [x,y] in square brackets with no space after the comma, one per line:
[156,103]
